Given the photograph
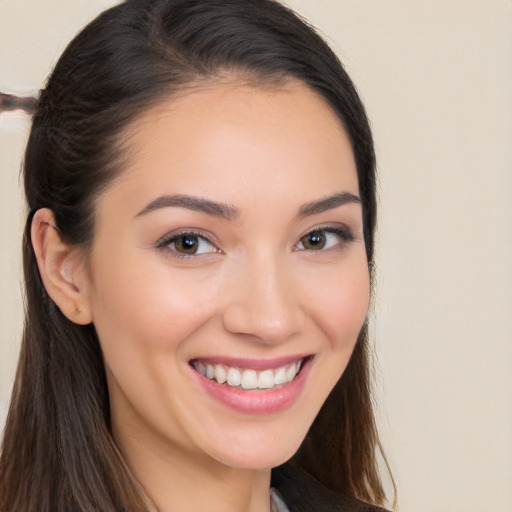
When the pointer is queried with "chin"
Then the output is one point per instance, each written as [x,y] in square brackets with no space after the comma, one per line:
[260,451]
[257,461]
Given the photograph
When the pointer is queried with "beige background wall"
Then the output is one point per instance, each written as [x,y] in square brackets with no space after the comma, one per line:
[436,77]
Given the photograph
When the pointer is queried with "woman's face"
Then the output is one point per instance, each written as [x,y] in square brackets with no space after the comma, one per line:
[231,248]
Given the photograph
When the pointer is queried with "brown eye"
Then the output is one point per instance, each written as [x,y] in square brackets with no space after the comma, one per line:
[315,240]
[187,244]
[325,239]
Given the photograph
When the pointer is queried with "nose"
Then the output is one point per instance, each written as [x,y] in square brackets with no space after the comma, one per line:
[263,302]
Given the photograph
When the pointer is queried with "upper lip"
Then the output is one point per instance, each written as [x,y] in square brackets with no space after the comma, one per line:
[252,363]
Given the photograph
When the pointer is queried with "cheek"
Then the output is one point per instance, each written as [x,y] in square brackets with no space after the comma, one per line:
[341,305]
[150,311]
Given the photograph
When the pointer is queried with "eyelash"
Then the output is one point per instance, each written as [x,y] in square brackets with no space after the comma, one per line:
[165,242]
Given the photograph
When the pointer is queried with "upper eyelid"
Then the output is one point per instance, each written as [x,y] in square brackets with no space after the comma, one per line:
[331,228]
[169,237]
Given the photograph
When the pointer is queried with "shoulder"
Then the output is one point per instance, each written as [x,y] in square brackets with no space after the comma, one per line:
[302,493]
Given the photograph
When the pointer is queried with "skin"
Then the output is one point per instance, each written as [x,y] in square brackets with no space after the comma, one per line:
[254,291]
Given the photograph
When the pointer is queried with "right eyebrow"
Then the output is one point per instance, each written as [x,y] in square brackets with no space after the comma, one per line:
[199,204]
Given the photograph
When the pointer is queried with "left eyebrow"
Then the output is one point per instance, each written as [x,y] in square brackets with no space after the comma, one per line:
[328,203]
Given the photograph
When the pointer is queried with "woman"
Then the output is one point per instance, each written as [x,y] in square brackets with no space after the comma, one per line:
[200,179]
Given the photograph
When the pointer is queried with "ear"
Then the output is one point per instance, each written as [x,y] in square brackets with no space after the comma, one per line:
[62,267]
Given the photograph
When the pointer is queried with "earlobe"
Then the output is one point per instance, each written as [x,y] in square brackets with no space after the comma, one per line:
[62,268]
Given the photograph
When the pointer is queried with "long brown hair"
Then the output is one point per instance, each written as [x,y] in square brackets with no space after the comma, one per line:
[58,453]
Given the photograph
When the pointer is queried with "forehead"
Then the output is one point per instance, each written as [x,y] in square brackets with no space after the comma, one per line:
[226,138]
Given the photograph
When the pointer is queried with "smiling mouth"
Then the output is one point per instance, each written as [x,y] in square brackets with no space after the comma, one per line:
[250,379]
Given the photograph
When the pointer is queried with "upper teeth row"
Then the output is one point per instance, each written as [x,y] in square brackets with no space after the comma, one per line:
[248,379]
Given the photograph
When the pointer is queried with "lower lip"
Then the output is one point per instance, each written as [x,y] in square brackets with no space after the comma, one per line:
[257,402]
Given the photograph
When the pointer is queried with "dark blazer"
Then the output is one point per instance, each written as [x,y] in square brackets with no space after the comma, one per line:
[302,493]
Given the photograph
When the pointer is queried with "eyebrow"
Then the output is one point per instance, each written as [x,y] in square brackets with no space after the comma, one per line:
[228,212]
[198,204]
[328,203]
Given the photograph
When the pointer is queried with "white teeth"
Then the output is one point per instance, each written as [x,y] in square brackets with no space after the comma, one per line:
[291,372]
[220,374]
[249,379]
[280,377]
[266,379]
[234,377]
